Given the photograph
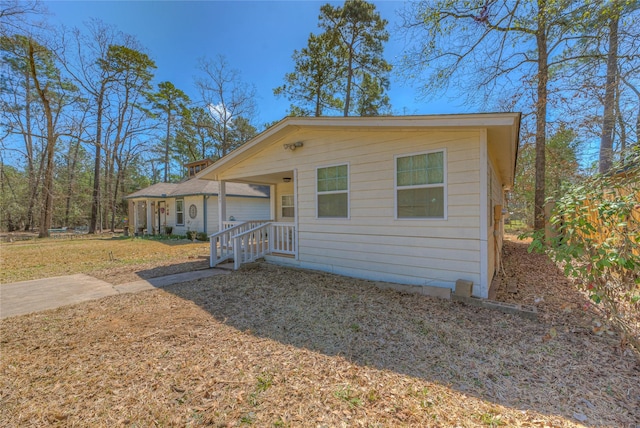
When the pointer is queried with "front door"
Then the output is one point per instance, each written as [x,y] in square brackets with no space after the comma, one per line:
[162,217]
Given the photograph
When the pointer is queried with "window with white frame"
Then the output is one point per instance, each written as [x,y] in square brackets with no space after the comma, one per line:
[288,209]
[421,185]
[333,191]
[179,212]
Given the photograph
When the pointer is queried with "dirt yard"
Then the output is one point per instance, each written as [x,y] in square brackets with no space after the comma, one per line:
[276,347]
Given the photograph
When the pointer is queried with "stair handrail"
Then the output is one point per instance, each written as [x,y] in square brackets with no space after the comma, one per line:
[250,245]
[223,240]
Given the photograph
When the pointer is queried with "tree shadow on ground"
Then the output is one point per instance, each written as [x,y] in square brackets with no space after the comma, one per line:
[555,365]
[199,263]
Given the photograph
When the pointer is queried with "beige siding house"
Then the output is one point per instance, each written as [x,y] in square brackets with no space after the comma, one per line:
[412,200]
[192,205]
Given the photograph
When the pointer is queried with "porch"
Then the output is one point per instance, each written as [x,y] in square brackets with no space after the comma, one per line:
[148,217]
[244,242]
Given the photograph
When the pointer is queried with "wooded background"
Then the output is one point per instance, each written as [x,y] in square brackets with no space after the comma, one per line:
[83,121]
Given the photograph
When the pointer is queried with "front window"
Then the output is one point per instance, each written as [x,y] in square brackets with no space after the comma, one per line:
[421,185]
[288,209]
[179,212]
[333,191]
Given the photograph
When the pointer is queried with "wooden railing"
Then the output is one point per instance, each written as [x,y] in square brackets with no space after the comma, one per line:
[221,243]
[283,238]
[249,241]
[250,245]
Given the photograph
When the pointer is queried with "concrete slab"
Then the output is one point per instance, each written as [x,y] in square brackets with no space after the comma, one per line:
[25,297]
[425,290]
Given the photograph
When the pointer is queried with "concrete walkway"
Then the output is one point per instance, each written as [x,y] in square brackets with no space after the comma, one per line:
[24,297]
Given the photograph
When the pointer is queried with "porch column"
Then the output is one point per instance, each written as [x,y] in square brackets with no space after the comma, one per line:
[222,204]
[130,208]
[273,202]
[149,218]
[134,223]
[205,198]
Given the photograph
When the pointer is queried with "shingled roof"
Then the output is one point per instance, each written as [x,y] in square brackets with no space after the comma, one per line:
[196,186]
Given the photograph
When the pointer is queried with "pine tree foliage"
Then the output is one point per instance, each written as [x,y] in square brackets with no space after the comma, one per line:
[342,69]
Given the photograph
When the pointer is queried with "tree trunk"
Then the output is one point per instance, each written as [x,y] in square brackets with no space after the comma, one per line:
[318,111]
[46,212]
[47,188]
[108,174]
[347,95]
[95,197]
[608,120]
[166,145]
[541,117]
[72,175]
[619,117]
[116,189]
[34,178]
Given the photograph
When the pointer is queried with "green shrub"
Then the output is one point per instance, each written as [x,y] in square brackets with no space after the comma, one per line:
[202,236]
[598,245]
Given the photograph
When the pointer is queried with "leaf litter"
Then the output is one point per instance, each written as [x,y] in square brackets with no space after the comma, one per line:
[270,346]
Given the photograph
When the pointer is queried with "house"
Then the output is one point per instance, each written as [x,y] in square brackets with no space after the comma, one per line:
[192,205]
[414,200]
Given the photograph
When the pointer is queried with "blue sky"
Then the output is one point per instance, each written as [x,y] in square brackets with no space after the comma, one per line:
[256,37]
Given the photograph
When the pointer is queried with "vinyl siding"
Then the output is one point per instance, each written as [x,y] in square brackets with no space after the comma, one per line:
[196,224]
[372,243]
[240,208]
[243,209]
[494,243]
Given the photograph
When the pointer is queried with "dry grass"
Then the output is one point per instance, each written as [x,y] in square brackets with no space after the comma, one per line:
[279,347]
[116,260]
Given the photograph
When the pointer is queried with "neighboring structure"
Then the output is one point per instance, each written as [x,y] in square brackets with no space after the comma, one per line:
[413,200]
[192,205]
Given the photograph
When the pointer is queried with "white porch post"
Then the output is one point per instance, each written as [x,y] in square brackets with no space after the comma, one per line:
[273,215]
[135,217]
[149,217]
[222,204]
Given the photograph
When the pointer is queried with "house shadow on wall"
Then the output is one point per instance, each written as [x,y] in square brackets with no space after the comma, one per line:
[547,366]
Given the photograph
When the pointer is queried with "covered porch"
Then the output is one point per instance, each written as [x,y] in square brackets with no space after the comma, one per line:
[148,216]
[247,241]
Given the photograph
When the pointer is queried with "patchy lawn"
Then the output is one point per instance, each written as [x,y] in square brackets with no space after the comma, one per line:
[115,260]
[279,347]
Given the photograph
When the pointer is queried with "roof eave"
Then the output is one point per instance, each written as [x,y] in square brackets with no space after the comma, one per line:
[290,125]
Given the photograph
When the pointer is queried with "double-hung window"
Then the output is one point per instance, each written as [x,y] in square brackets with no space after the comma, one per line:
[179,212]
[333,191]
[288,207]
[421,185]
